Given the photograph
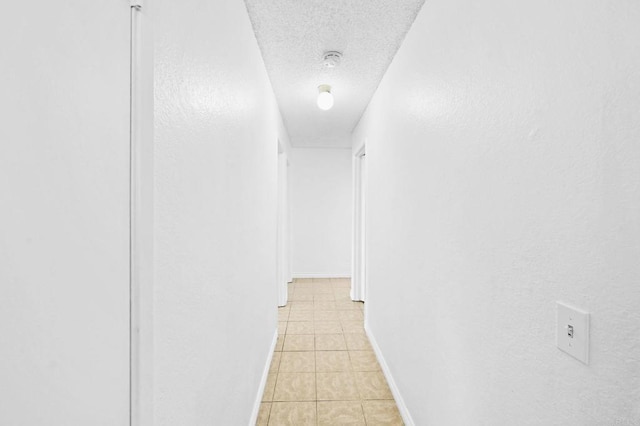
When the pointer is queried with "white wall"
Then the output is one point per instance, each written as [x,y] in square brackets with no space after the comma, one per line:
[321,179]
[64,215]
[216,132]
[504,175]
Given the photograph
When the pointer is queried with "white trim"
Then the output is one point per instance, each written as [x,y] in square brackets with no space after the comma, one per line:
[358,246]
[263,382]
[402,407]
[342,275]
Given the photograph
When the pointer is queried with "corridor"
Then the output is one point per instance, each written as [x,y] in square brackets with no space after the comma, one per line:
[324,371]
[442,197]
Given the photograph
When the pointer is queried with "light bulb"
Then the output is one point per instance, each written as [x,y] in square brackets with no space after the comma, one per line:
[325,98]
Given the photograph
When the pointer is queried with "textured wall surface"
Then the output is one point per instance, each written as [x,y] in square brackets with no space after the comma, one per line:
[321,180]
[64,210]
[216,132]
[504,175]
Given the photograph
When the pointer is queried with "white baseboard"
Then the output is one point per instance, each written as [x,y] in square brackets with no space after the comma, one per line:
[263,382]
[404,412]
[343,275]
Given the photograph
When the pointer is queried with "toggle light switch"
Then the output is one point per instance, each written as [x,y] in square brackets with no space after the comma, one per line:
[573,332]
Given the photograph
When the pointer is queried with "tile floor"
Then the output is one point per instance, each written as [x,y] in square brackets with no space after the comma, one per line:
[324,371]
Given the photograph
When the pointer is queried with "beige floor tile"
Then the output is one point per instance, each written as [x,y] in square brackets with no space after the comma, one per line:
[330,342]
[263,414]
[323,297]
[342,292]
[269,387]
[298,362]
[305,315]
[332,413]
[283,314]
[379,413]
[327,327]
[279,343]
[323,289]
[356,342]
[295,297]
[364,361]
[325,316]
[298,342]
[295,387]
[373,385]
[346,304]
[300,327]
[324,305]
[351,326]
[275,362]
[332,361]
[321,280]
[293,414]
[336,386]
[301,306]
[282,327]
[351,315]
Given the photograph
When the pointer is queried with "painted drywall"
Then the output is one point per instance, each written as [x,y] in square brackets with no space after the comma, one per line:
[321,180]
[216,131]
[64,220]
[503,160]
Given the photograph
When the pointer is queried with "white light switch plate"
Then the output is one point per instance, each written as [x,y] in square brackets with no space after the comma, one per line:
[573,332]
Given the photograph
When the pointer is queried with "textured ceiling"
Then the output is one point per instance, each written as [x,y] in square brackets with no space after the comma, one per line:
[293,35]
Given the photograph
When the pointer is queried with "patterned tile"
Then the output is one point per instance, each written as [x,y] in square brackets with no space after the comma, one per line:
[325,316]
[305,315]
[282,327]
[293,414]
[342,304]
[364,361]
[323,297]
[340,413]
[378,413]
[279,344]
[283,314]
[298,342]
[357,342]
[263,414]
[295,387]
[336,386]
[298,362]
[330,342]
[300,327]
[301,306]
[269,388]
[373,385]
[332,361]
[328,327]
[351,315]
[302,297]
[351,326]
[275,362]
[324,305]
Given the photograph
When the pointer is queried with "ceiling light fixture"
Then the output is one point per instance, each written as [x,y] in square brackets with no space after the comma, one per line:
[325,98]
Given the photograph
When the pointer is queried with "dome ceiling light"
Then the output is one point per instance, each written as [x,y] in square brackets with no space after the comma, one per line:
[325,98]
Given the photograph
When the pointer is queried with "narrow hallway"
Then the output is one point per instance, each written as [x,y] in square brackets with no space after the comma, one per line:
[324,371]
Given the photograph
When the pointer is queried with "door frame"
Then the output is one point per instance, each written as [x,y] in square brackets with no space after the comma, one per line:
[359,253]
[283,218]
